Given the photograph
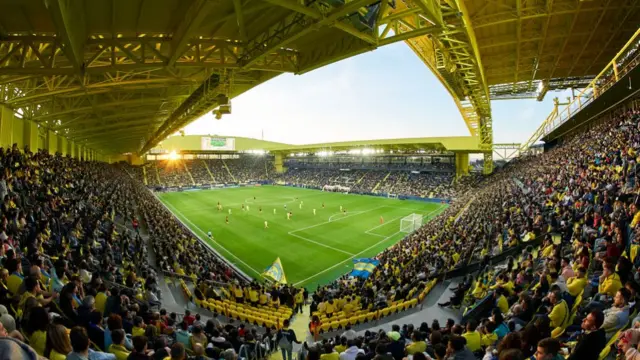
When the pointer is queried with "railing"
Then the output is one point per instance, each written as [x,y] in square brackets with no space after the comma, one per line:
[625,60]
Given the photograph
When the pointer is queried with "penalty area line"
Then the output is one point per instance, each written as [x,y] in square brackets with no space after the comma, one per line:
[347,259]
[361,252]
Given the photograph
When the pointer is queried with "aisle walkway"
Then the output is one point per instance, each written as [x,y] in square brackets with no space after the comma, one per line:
[300,325]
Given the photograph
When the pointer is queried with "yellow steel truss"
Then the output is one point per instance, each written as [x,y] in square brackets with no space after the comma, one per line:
[609,75]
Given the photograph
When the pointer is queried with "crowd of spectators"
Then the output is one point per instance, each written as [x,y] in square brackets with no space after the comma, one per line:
[75,282]
[184,173]
[585,192]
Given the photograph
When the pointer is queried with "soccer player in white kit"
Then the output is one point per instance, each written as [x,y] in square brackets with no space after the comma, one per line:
[229,211]
[340,207]
[247,207]
[314,212]
[266,224]
[300,205]
[274,211]
[289,215]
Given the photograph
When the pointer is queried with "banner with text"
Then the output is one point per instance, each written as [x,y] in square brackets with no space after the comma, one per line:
[217,143]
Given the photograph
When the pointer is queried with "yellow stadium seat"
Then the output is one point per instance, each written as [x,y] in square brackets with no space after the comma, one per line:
[242,316]
[335,325]
[343,323]
[325,327]
[413,302]
[371,316]
[393,309]
[384,312]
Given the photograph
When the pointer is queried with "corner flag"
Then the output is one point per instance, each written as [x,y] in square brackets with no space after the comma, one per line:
[276,272]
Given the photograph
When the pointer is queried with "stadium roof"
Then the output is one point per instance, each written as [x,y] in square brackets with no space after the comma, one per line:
[121,75]
[453,143]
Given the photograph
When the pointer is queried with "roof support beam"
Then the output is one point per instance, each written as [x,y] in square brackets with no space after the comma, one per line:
[574,21]
[545,31]
[237,6]
[148,101]
[518,37]
[198,10]
[68,16]
[299,25]
[613,36]
[593,32]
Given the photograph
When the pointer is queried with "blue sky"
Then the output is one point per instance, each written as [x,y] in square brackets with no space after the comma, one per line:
[386,93]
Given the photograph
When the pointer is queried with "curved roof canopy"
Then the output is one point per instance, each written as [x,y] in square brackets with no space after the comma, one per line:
[121,75]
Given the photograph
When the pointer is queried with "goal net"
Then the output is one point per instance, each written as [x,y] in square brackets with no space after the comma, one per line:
[410,223]
[392,196]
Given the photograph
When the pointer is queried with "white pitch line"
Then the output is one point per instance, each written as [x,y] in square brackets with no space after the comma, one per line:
[341,214]
[344,217]
[319,243]
[353,256]
[347,259]
[381,225]
[215,242]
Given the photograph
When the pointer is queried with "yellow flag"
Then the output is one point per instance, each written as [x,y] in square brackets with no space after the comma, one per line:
[276,272]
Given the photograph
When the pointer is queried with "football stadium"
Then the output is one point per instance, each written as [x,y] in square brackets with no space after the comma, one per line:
[125,235]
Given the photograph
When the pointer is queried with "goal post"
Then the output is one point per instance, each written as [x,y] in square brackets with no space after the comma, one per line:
[410,223]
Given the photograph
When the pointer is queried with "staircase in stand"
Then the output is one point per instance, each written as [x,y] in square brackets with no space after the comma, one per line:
[158,175]
[380,182]
[189,173]
[209,171]
[229,171]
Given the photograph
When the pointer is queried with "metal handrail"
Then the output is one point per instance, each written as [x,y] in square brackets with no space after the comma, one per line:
[596,87]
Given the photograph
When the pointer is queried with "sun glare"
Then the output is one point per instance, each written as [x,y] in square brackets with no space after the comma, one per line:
[173,155]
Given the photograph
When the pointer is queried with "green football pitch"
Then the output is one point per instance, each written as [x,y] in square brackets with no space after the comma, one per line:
[314,249]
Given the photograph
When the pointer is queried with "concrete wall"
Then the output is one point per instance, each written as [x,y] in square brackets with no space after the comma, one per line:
[14,130]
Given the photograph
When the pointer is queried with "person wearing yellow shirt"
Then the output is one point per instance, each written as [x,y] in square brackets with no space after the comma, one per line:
[501,300]
[505,283]
[253,297]
[348,308]
[418,345]
[480,290]
[263,298]
[559,314]
[117,347]
[14,267]
[330,308]
[340,348]
[474,339]
[138,326]
[101,298]
[609,282]
[329,353]
[299,301]
[576,284]
[489,337]
[275,301]
[238,293]
[322,307]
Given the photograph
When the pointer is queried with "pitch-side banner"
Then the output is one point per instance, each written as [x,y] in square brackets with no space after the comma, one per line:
[217,143]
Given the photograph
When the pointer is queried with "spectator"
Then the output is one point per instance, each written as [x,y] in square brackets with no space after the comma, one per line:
[548,349]
[80,346]
[591,340]
[117,347]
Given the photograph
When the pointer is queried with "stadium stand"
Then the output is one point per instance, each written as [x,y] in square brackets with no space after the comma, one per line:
[72,227]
